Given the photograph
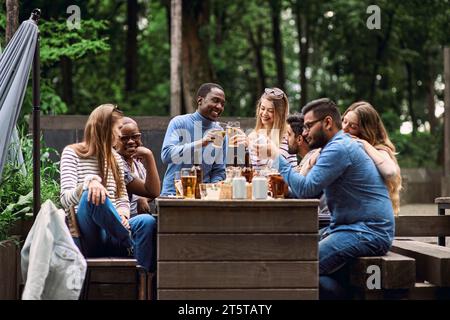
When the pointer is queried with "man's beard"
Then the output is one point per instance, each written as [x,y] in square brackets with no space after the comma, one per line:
[319,141]
[292,149]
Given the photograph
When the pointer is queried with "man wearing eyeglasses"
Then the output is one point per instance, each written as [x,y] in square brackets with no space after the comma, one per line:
[193,133]
[362,219]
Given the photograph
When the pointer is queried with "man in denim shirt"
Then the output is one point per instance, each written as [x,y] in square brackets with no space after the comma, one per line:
[362,219]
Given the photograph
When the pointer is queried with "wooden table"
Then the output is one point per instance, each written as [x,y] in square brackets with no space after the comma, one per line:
[237,249]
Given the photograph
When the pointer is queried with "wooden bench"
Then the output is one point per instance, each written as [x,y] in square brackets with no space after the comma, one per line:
[432,261]
[412,269]
[116,278]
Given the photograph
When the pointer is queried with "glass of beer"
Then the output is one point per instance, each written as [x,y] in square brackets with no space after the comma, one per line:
[188,181]
[277,185]
[233,129]
[219,135]
[178,184]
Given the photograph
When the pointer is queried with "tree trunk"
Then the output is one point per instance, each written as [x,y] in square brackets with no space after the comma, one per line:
[447,117]
[175,58]
[131,46]
[67,83]
[12,19]
[303,33]
[196,67]
[277,41]
[411,98]
[431,106]
[382,46]
[257,45]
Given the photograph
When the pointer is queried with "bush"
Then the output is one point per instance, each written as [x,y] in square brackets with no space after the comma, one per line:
[16,186]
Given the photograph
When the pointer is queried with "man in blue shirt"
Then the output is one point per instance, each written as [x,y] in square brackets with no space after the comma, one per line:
[192,133]
[362,220]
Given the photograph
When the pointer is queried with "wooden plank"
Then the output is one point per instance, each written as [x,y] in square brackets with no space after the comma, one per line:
[226,274]
[111,262]
[112,291]
[397,271]
[114,275]
[422,226]
[218,247]
[238,294]
[432,261]
[8,270]
[272,204]
[237,220]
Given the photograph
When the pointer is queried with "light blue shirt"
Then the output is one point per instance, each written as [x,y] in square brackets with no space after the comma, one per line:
[178,150]
[356,193]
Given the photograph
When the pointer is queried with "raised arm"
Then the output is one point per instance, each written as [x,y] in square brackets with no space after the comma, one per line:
[324,173]
[151,186]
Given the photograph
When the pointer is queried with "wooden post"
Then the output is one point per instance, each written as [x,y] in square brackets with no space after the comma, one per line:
[175,58]
[445,186]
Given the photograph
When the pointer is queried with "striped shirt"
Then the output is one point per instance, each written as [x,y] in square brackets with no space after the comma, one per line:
[73,173]
[259,164]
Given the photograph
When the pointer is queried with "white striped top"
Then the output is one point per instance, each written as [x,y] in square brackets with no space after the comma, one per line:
[73,172]
[259,164]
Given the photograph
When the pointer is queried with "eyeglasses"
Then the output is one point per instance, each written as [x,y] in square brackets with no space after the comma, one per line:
[135,137]
[308,125]
[274,93]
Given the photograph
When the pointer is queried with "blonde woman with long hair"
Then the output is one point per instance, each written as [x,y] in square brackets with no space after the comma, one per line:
[363,122]
[92,182]
[272,110]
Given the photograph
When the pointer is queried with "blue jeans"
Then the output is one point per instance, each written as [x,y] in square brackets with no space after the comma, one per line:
[102,233]
[336,250]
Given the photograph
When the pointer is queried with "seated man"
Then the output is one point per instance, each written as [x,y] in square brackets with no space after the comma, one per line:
[141,178]
[297,145]
[362,219]
[191,134]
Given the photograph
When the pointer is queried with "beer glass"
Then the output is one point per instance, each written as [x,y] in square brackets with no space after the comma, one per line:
[219,135]
[178,184]
[277,185]
[188,181]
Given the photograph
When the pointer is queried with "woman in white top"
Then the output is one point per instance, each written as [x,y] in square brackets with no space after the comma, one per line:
[92,181]
[272,110]
[363,123]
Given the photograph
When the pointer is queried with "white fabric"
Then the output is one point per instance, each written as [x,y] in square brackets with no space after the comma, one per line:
[53,267]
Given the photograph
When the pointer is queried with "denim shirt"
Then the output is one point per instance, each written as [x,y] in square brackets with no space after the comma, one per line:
[178,150]
[356,193]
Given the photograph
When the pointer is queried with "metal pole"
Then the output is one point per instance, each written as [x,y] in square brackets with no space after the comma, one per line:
[35,15]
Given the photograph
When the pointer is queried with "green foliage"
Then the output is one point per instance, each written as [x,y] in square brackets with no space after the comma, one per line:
[58,41]
[420,151]
[16,196]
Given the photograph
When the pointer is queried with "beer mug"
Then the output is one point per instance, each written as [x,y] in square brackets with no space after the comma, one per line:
[188,181]
[277,185]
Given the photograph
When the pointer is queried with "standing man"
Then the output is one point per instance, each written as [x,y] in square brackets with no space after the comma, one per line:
[297,145]
[193,132]
[362,218]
